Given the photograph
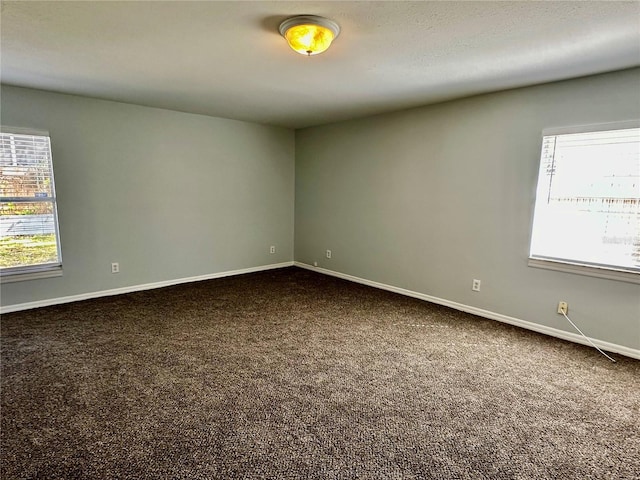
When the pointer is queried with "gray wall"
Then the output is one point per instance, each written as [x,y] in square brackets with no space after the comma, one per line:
[168,195]
[430,198]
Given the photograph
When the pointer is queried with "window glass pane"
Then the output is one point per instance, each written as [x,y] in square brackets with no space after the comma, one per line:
[28,235]
[25,162]
[588,200]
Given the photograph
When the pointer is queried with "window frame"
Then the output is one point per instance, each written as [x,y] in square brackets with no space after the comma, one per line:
[600,271]
[42,270]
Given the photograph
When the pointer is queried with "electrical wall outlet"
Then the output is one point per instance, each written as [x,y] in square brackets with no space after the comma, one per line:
[115,267]
[328,253]
[272,249]
[475,286]
[563,307]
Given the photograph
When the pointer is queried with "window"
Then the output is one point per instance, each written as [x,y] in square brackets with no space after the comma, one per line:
[587,210]
[29,243]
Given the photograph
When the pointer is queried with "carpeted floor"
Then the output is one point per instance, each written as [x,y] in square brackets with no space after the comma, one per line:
[291,374]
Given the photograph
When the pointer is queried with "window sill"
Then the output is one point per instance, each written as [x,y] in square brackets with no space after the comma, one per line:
[610,274]
[10,277]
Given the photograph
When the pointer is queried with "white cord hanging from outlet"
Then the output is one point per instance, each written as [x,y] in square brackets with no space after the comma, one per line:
[563,308]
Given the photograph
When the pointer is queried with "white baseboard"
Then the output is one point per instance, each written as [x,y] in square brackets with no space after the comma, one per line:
[136,288]
[554,332]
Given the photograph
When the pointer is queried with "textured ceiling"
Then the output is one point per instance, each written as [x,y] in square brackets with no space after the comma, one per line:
[227,59]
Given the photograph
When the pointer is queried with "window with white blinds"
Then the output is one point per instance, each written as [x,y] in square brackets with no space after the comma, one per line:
[28,217]
[587,210]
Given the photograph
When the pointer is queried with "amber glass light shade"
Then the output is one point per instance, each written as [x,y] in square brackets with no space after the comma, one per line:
[309,39]
[309,35]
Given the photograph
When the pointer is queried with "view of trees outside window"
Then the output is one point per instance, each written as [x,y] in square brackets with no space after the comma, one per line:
[27,203]
[588,199]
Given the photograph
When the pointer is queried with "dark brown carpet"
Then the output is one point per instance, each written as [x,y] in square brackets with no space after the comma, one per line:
[291,374]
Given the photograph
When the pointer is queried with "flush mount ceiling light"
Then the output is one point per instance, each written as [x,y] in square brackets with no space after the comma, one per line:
[309,34]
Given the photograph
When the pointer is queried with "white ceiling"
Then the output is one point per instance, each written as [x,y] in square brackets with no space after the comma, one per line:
[227,59]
